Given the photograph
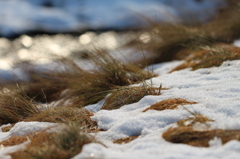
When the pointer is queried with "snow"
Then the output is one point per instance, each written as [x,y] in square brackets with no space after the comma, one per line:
[237,43]
[17,17]
[215,89]
[23,128]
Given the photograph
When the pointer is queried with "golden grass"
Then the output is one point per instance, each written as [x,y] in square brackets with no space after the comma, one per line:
[187,135]
[46,86]
[110,72]
[167,40]
[15,140]
[67,115]
[197,118]
[14,106]
[56,145]
[127,95]
[125,140]
[168,104]
[82,87]
[118,73]
[210,56]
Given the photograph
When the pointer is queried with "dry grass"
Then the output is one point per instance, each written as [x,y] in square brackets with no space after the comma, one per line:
[68,115]
[7,128]
[127,95]
[168,104]
[14,106]
[167,40]
[95,85]
[46,85]
[197,118]
[125,140]
[57,145]
[118,73]
[210,56]
[226,25]
[83,87]
[15,140]
[187,135]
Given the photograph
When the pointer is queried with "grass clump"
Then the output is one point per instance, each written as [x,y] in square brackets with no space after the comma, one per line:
[117,73]
[210,56]
[125,140]
[127,95]
[187,135]
[15,106]
[169,39]
[197,118]
[56,145]
[67,115]
[46,85]
[64,144]
[109,74]
[82,87]
[168,104]
[15,140]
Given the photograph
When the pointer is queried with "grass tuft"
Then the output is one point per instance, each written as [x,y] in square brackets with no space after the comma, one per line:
[197,118]
[168,104]
[187,135]
[109,74]
[67,115]
[56,145]
[125,140]
[210,56]
[127,95]
[15,105]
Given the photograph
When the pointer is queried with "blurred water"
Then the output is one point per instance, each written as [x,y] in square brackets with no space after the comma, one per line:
[54,16]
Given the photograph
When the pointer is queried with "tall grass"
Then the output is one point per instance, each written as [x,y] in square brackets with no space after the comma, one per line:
[127,95]
[109,73]
[15,105]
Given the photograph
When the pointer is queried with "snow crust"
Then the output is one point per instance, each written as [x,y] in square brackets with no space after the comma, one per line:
[215,89]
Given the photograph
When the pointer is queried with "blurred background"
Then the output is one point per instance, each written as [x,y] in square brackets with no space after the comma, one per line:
[36,30]
[55,16]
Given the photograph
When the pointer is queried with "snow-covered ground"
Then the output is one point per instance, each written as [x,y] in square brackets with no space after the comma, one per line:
[216,90]
[20,16]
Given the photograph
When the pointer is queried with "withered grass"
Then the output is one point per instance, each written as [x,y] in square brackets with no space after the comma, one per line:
[168,104]
[69,115]
[56,145]
[209,57]
[15,105]
[125,140]
[127,95]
